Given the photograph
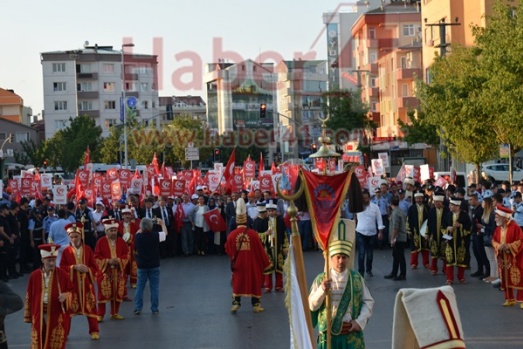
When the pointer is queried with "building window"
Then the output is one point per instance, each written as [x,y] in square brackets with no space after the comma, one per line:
[409,30]
[59,86]
[373,81]
[373,57]
[372,33]
[60,124]
[83,87]
[85,105]
[58,67]
[109,104]
[3,136]
[109,86]
[145,104]
[83,68]
[110,122]
[154,104]
[1,111]
[405,90]
[21,137]
[144,87]
[131,86]
[374,106]
[108,68]
[60,105]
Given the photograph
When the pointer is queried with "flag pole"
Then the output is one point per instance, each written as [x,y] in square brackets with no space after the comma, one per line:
[298,255]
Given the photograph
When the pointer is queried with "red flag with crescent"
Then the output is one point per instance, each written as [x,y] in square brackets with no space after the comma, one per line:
[325,195]
[215,220]
[179,215]
[228,172]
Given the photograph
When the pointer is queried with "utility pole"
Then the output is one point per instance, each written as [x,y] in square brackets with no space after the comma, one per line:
[443,44]
[359,72]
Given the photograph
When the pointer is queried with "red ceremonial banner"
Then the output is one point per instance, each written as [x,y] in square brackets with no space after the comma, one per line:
[215,220]
[106,190]
[266,183]
[90,196]
[112,174]
[26,186]
[362,175]
[98,181]
[125,178]
[165,187]
[116,191]
[83,177]
[249,169]
[325,195]
[178,187]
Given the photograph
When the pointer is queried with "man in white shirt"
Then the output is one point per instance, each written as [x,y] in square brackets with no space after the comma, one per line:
[366,233]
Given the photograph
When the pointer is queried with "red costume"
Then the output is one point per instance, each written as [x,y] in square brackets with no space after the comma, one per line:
[111,280]
[49,318]
[84,297]
[131,270]
[510,263]
[251,261]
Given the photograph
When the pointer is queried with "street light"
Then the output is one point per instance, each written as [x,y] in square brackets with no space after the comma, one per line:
[124,106]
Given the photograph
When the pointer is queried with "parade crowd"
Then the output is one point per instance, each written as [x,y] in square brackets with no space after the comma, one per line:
[81,259]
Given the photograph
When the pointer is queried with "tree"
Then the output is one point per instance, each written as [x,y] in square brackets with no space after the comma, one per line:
[67,147]
[346,111]
[419,130]
[452,107]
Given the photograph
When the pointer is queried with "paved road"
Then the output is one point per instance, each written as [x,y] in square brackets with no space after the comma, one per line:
[195,300]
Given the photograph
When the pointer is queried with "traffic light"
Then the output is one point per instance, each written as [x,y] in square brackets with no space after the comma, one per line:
[314,147]
[216,155]
[45,164]
[263,110]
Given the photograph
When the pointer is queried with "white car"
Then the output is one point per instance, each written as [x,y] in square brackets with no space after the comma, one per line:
[499,173]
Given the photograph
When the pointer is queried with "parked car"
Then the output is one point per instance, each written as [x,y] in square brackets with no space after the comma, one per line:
[499,173]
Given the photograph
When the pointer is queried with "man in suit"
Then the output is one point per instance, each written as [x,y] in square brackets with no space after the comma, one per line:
[167,247]
[230,211]
[147,211]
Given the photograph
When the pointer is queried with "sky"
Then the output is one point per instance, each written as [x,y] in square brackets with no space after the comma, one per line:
[185,34]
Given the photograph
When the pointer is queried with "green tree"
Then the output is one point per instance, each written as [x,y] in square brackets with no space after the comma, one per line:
[418,130]
[67,147]
[346,111]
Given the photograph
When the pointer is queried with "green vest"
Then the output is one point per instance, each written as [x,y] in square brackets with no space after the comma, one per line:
[351,298]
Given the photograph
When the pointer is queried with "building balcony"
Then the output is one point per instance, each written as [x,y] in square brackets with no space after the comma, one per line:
[88,94]
[407,102]
[382,44]
[131,77]
[132,94]
[373,91]
[408,73]
[87,76]
[89,113]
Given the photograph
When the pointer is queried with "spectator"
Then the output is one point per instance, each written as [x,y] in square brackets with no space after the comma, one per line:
[147,245]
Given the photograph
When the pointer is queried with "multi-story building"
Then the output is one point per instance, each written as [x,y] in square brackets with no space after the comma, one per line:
[388,52]
[89,81]
[235,93]
[11,106]
[340,45]
[174,106]
[453,19]
[12,134]
[300,87]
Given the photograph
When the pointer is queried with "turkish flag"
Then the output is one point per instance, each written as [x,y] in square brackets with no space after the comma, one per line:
[228,172]
[179,215]
[215,220]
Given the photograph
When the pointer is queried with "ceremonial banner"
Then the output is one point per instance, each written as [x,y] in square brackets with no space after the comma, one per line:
[105,189]
[13,184]
[266,183]
[373,183]
[90,196]
[112,174]
[60,194]
[98,181]
[46,180]
[136,185]
[83,177]
[377,167]
[26,186]
[417,174]
[36,189]
[362,175]
[384,159]
[166,187]
[178,187]
[125,178]
[215,221]
[409,171]
[116,191]
[249,169]
[325,195]
[213,179]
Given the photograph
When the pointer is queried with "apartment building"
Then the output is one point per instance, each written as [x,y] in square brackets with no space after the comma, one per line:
[300,87]
[174,106]
[11,106]
[89,81]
